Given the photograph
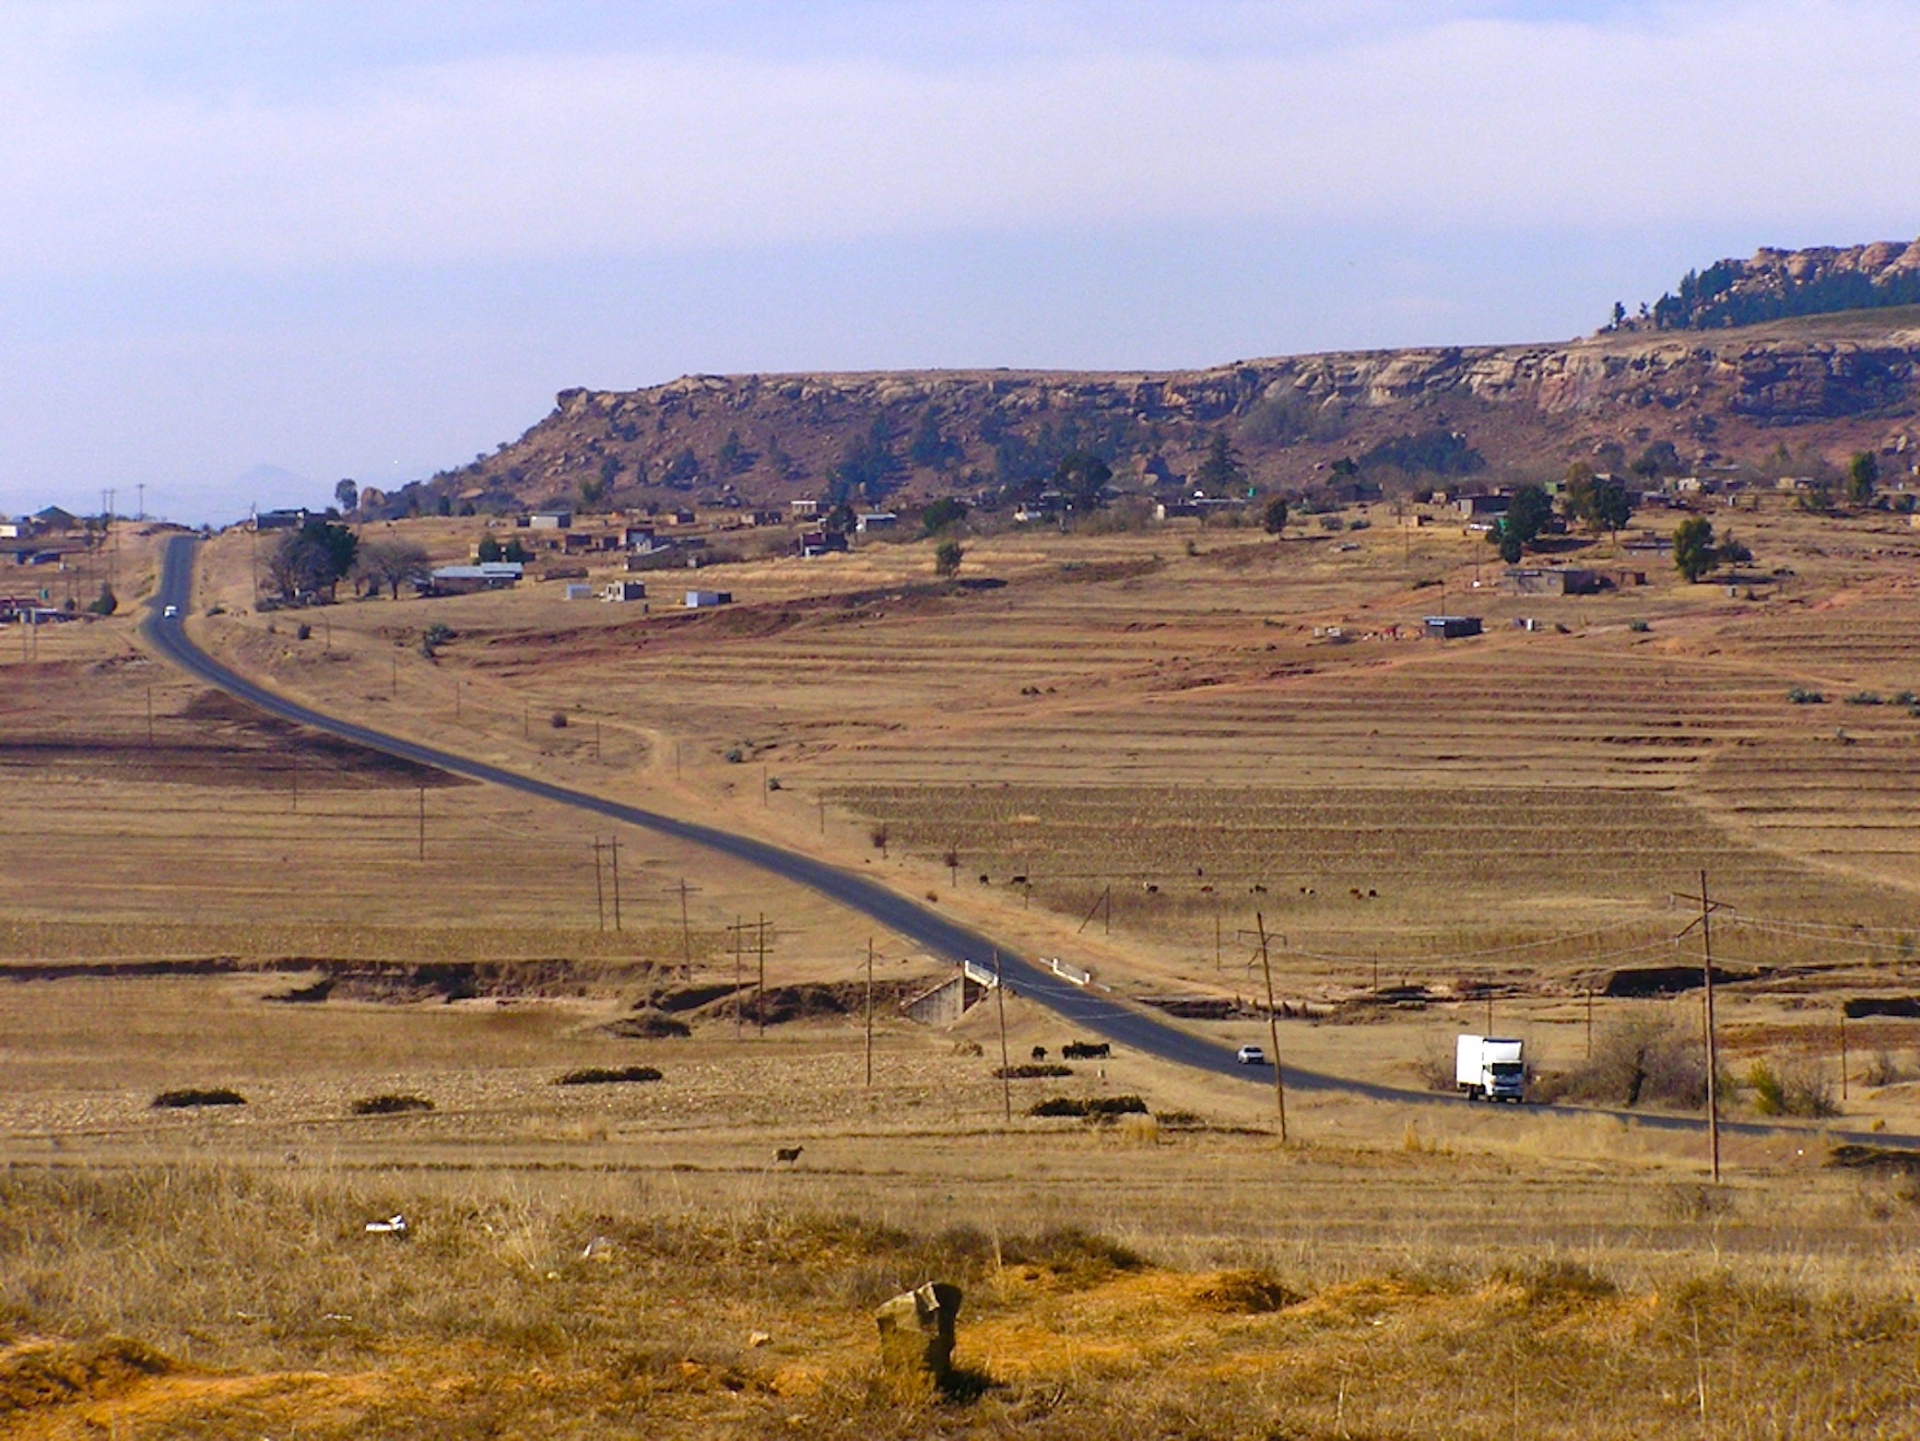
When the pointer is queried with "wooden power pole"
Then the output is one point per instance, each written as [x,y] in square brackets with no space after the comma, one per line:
[1006,1070]
[1273,1029]
[869,1013]
[1705,922]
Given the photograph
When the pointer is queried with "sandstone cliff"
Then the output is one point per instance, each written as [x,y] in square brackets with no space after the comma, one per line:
[1787,393]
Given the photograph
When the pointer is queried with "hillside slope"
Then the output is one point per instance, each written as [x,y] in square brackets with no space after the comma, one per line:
[1790,393]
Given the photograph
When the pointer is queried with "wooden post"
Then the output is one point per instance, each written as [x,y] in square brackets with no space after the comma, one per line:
[1713,1040]
[599,887]
[686,936]
[1843,1050]
[739,929]
[1000,1002]
[423,823]
[1273,1030]
[393,682]
[1589,1023]
[296,781]
[869,1013]
[149,717]
[760,999]
[614,846]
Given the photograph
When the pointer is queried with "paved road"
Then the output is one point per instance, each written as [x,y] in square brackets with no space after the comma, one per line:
[1083,1008]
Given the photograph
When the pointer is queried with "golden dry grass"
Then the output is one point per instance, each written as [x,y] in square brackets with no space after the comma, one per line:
[1124,712]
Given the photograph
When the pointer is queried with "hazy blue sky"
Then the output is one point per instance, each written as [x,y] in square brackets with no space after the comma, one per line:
[374,239]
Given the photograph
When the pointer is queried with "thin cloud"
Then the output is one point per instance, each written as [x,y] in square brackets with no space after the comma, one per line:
[1786,113]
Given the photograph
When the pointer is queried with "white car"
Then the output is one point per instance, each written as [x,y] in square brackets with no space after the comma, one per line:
[1250,1056]
[170,612]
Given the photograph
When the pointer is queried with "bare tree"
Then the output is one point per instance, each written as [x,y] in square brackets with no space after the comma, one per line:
[390,563]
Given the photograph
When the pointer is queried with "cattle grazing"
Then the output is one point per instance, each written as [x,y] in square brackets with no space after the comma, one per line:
[1085,1050]
[1039,1053]
[787,1155]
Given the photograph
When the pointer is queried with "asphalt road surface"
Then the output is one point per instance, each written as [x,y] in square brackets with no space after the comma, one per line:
[1082,1008]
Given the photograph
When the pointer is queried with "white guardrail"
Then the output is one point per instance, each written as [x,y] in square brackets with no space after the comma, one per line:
[981,976]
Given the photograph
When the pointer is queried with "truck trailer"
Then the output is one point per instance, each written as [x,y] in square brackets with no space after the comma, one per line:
[1487,1068]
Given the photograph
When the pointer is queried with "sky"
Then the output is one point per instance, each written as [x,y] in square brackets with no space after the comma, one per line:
[253,248]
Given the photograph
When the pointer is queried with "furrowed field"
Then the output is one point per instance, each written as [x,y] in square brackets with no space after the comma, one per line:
[1135,751]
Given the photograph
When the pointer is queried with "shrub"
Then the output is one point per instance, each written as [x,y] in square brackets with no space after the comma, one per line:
[1027,1071]
[197,1096]
[390,1105]
[608,1076]
[1800,695]
[1639,627]
[558,720]
[1790,1091]
[1864,697]
[1641,1061]
[1095,1108]
[303,631]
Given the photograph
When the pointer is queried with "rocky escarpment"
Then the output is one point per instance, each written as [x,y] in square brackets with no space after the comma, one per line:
[1796,391]
[1779,283]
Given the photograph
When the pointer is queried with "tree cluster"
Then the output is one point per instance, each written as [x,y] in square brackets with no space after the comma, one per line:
[314,558]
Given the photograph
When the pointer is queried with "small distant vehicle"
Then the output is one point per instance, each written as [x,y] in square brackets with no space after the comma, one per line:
[1488,1068]
[170,612]
[1250,1056]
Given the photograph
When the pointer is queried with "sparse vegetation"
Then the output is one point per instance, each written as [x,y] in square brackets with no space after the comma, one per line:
[390,1104]
[609,1076]
[192,1096]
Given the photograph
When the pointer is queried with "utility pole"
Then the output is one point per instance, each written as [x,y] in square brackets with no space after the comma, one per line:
[423,823]
[1705,921]
[1006,1070]
[869,1013]
[823,812]
[296,781]
[614,846]
[393,685]
[1843,1050]
[739,929]
[599,887]
[760,997]
[1273,1030]
[1589,1023]
[149,717]
[686,932]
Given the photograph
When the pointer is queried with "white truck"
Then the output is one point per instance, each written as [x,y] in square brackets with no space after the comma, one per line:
[1487,1068]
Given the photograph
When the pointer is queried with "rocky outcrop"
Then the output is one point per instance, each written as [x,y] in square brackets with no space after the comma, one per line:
[1836,383]
[1776,283]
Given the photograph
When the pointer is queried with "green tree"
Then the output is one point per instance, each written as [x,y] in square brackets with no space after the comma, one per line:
[487,551]
[943,514]
[930,447]
[1275,515]
[1694,553]
[1529,510]
[348,495]
[1221,471]
[314,558]
[1863,473]
[1083,477]
[107,602]
[517,553]
[947,558]
[1659,458]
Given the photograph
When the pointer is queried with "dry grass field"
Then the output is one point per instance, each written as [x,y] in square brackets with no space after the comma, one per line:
[1163,734]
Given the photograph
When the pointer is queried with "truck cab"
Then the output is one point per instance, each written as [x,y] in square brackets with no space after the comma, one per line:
[1490,1068]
